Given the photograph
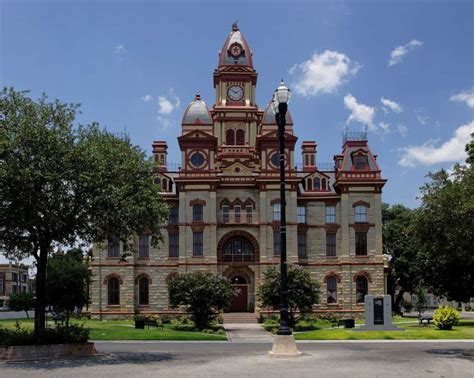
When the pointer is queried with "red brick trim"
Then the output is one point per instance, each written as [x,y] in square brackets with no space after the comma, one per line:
[361,227]
[274,201]
[331,228]
[332,274]
[197,201]
[198,226]
[110,275]
[361,203]
[143,275]
[362,274]
[244,235]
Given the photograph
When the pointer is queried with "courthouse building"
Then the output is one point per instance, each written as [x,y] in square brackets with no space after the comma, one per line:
[225,210]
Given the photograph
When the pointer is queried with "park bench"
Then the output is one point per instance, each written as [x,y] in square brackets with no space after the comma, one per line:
[346,323]
[58,318]
[153,323]
[425,319]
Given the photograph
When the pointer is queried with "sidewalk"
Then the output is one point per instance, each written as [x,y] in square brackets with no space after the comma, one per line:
[247,333]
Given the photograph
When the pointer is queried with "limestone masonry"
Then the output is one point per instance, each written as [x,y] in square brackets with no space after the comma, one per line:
[225,210]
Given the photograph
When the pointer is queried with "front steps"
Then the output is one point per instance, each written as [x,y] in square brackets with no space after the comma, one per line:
[240,317]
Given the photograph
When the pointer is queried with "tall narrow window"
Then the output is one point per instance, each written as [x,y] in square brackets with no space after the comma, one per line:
[330,244]
[230,137]
[302,246]
[323,184]
[361,243]
[197,213]
[144,246]
[276,243]
[316,183]
[276,212]
[301,214]
[143,291]
[157,181]
[113,291]
[237,214]
[113,247]
[310,184]
[198,244]
[360,162]
[225,214]
[360,214]
[331,285]
[249,213]
[240,137]
[173,245]
[173,216]
[330,214]
[362,288]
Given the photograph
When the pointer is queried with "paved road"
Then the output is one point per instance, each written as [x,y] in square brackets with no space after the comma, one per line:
[222,359]
[16,315]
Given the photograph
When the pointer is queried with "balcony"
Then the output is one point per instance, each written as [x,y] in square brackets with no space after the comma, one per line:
[236,217]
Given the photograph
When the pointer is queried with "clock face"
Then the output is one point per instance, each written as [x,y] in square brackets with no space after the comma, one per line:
[235,50]
[235,92]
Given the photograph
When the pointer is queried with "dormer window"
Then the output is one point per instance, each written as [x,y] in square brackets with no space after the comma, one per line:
[316,183]
[360,162]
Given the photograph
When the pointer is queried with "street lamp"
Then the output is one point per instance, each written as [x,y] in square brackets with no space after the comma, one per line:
[284,343]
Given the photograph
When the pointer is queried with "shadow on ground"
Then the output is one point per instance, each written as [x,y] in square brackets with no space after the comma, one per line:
[99,360]
[462,353]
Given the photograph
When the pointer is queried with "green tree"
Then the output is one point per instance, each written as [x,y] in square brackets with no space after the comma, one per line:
[66,281]
[421,300]
[470,150]
[303,291]
[202,294]
[399,243]
[60,183]
[21,302]
[444,226]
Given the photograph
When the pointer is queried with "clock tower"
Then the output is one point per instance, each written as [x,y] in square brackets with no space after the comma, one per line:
[235,112]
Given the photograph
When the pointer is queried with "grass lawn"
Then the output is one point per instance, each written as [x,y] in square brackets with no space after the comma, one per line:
[123,330]
[464,330]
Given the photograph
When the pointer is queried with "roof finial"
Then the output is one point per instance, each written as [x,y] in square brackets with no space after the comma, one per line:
[235,27]
[198,96]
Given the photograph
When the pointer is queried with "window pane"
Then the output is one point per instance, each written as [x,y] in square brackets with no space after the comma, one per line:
[361,243]
[331,284]
[197,243]
[330,244]
[330,214]
[237,214]
[361,214]
[276,212]
[173,240]
[249,211]
[276,243]
[301,214]
[197,213]
[225,214]
[302,246]
[240,137]
[113,291]
[173,217]
[361,289]
[316,183]
[360,162]
[144,246]
[143,292]
[113,247]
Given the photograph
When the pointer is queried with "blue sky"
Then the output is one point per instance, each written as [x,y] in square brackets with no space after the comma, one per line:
[137,64]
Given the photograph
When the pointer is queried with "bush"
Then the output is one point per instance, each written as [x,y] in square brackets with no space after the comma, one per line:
[166,319]
[59,335]
[445,317]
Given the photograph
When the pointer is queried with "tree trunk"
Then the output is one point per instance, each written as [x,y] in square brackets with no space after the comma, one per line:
[396,305]
[27,316]
[40,303]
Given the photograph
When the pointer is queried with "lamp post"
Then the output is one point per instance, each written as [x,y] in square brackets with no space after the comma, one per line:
[283,343]
[280,106]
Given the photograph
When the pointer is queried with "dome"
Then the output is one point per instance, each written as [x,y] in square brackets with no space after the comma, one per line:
[197,113]
[269,116]
[236,50]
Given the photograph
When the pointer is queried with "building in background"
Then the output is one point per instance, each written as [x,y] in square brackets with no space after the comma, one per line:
[225,210]
[13,279]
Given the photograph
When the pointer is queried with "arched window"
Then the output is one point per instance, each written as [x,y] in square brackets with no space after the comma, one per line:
[360,213]
[164,185]
[143,291]
[113,291]
[240,137]
[230,137]
[310,184]
[276,212]
[361,289]
[331,284]
[238,250]
[316,183]
[158,181]
[323,184]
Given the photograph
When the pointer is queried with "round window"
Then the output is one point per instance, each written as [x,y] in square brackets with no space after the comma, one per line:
[275,159]
[198,159]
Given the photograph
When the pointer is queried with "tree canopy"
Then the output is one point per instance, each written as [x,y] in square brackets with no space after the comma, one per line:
[303,291]
[61,182]
[202,294]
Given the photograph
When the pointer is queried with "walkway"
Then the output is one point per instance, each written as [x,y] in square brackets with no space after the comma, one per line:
[247,333]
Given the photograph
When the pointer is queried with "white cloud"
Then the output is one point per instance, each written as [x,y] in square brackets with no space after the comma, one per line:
[422,119]
[359,112]
[166,106]
[120,49]
[397,54]
[403,130]
[165,122]
[323,73]
[147,98]
[385,127]
[429,153]
[391,105]
[465,96]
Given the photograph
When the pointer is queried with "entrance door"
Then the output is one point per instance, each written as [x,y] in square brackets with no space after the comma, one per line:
[239,301]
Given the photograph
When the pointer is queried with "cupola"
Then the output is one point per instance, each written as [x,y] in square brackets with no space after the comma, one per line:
[236,50]
[197,113]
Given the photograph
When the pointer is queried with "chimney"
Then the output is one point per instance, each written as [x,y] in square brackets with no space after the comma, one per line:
[160,153]
[308,151]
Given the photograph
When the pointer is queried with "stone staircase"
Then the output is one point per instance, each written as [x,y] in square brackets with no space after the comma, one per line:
[240,317]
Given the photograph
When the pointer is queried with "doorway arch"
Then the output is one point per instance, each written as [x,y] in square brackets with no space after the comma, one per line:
[239,302]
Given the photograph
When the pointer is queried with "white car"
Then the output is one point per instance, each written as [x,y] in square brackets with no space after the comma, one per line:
[4,308]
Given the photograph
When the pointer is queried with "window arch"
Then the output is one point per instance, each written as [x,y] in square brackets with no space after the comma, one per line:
[360,213]
[238,250]
[113,291]
[362,288]
[331,289]
[240,137]
[230,137]
[316,183]
[143,291]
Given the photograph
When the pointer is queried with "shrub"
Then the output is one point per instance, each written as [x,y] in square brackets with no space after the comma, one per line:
[59,335]
[166,319]
[445,317]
